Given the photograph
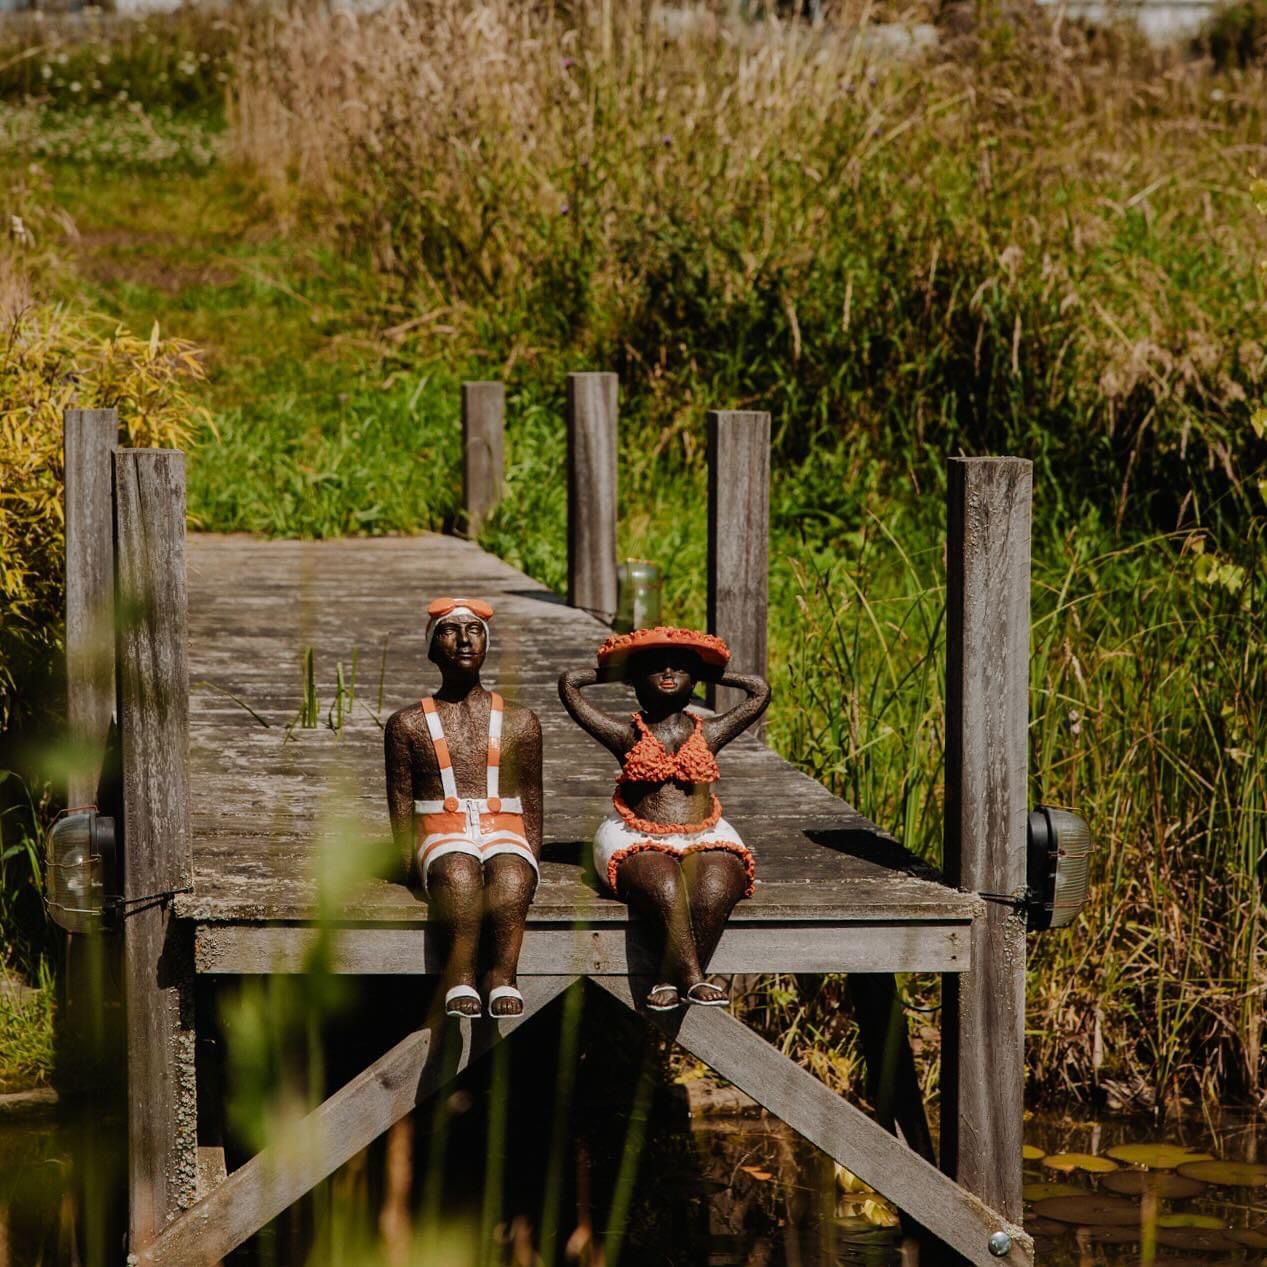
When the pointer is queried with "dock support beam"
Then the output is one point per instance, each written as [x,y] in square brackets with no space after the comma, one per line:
[987,712]
[90,436]
[739,542]
[483,451]
[591,422]
[153,669]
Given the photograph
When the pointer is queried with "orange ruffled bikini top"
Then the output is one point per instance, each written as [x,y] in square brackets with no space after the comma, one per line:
[649,761]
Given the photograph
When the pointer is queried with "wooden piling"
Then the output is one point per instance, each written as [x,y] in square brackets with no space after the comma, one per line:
[483,448]
[89,438]
[591,422]
[987,710]
[739,541]
[153,669]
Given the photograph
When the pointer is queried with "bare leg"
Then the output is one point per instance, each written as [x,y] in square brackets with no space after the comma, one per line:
[509,883]
[715,882]
[455,892]
[652,884]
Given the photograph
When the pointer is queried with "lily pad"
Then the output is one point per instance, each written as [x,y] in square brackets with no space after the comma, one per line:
[1031,1152]
[1041,1191]
[1187,1219]
[1068,1162]
[1156,1156]
[1229,1174]
[1090,1209]
[1250,1237]
[1113,1235]
[1036,1226]
[1198,1238]
[1157,1183]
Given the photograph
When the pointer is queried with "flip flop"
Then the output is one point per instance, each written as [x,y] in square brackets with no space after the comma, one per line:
[462,992]
[724,1001]
[663,1007]
[504,992]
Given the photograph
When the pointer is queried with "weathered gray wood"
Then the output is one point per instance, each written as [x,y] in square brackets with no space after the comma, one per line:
[739,542]
[591,423]
[854,948]
[149,501]
[347,1122]
[89,437]
[483,448]
[987,710]
[844,1132]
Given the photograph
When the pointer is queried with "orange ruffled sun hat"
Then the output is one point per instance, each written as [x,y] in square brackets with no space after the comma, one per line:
[711,649]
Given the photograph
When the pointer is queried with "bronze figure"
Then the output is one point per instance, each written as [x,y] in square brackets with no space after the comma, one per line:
[464,795]
[665,848]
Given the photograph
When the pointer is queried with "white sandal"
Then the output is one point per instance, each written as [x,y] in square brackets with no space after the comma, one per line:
[724,1001]
[462,992]
[504,992]
[664,1007]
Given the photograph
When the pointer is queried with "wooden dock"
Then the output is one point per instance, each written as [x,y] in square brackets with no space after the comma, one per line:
[223,849]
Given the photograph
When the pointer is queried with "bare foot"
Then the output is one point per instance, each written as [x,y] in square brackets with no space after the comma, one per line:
[505,1000]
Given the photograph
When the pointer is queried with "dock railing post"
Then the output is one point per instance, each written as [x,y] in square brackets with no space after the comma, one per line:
[739,542]
[483,451]
[591,423]
[153,671]
[987,711]
[89,436]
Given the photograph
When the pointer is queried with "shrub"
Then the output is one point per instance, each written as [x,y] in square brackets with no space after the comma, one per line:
[52,360]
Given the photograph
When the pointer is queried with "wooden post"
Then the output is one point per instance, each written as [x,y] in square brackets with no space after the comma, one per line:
[591,419]
[739,541]
[89,438]
[987,711]
[483,447]
[153,668]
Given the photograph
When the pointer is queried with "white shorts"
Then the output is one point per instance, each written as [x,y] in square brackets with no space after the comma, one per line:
[616,840]
[473,828]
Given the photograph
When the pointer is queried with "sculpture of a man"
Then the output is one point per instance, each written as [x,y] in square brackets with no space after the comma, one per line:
[464,795]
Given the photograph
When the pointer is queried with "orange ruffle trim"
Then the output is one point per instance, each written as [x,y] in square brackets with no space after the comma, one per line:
[724,846]
[710,648]
[653,828]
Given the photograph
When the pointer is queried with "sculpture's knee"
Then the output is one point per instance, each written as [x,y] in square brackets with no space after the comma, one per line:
[509,883]
[456,880]
[651,877]
[717,879]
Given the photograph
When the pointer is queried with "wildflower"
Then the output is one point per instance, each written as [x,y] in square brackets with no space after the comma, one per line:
[567,63]
[563,210]
[666,140]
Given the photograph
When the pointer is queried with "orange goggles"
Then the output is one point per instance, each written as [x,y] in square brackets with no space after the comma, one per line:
[439,607]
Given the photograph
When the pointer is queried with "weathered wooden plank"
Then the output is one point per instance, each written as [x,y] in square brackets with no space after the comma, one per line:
[739,542]
[951,1213]
[591,423]
[149,508]
[89,438]
[321,1142]
[865,947]
[987,710]
[483,449]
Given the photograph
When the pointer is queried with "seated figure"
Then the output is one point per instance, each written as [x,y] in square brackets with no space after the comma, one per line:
[464,795]
[665,848]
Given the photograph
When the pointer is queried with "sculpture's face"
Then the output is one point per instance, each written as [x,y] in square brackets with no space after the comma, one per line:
[664,677]
[459,643]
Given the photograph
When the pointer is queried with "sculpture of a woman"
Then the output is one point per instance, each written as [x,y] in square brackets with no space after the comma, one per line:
[665,848]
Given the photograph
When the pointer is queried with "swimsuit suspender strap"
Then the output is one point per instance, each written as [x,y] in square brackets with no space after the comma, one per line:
[445,762]
[495,714]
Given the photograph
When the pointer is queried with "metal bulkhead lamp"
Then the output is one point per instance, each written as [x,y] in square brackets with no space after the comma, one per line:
[1057,868]
[81,876]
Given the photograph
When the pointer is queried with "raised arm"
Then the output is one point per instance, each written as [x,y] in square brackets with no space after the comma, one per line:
[611,731]
[398,758]
[720,730]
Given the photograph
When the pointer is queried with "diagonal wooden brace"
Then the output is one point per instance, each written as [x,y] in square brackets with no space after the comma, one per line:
[949,1212]
[330,1135]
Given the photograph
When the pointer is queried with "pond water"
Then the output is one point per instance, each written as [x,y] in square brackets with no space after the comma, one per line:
[620,1150]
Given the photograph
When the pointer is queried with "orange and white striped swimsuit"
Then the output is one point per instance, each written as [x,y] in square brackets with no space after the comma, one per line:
[480,828]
